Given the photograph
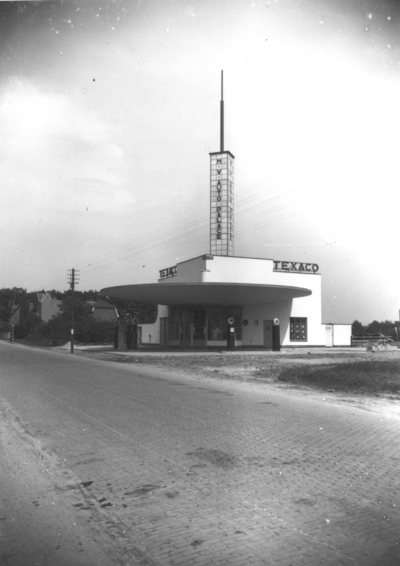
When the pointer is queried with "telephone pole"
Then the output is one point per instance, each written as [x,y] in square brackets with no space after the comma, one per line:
[73,275]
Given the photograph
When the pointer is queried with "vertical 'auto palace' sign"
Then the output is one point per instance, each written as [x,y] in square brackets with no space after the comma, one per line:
[221,186]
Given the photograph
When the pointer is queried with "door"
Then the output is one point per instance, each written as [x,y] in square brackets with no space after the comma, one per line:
[199,328]
[193,328]
[268,334]
[328,335]
[186,335]
[186,332]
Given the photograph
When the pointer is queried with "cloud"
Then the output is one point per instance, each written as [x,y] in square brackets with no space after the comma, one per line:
[56,154]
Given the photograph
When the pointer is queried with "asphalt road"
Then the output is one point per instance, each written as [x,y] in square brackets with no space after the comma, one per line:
[155,468]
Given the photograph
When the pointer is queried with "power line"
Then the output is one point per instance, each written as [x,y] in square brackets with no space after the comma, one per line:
[196,230]
[146,246]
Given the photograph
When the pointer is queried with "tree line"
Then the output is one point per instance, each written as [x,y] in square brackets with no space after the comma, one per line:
[386,327]
[87,328]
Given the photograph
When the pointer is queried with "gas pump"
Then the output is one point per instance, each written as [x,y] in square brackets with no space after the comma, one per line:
[276,338]
[231,340]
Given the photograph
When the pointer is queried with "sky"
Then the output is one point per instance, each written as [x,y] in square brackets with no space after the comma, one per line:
[109,109]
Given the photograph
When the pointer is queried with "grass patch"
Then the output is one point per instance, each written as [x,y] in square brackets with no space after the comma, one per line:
[357,377]
[34,340]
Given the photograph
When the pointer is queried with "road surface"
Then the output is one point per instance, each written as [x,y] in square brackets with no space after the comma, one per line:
[164,469]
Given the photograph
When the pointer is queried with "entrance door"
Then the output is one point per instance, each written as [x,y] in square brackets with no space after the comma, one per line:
[199,328]
[186,334]
[268,334]
[185,319]
[328,335]
[193,328]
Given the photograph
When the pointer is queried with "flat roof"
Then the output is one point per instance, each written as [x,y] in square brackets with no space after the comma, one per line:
[207,294]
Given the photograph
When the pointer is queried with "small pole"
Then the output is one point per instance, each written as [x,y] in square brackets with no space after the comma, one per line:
[72,282]
[11,303]
[72,310]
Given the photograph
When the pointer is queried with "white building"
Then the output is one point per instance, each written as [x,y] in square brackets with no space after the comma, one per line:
[268,303]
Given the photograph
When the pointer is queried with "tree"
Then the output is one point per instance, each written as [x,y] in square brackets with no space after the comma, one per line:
[28,320]
[81,308]
[145,313]
[357,328]
[87,329]
[9,297]
[374,327]
[386,327]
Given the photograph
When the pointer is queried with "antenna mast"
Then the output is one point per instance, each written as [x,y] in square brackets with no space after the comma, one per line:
[222,113]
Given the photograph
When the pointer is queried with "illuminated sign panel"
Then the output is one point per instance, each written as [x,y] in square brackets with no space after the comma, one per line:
[295,266]
[221,189]
[168,272]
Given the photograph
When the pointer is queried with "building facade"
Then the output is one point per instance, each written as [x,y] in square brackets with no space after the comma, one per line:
[47,306]
[207,295]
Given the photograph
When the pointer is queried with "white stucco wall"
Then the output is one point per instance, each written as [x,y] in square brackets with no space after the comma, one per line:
[221,269]
[187,272]
[249,270]
[342,334]
[306,307]
[253,334]
[151,332]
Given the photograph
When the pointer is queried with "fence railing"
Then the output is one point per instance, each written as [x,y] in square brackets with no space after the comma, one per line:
[365,341]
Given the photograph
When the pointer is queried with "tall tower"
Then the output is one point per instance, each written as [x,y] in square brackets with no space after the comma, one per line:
[221,191]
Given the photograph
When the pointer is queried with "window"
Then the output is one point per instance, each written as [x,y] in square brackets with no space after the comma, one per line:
[173,324]
[218,322]
[201,323]
[298,330]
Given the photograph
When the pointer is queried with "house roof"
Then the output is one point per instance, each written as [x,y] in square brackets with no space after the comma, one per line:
[41,296]
[101,304]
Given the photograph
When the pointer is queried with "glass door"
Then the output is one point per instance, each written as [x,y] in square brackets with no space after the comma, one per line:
[199,328]
[185,329]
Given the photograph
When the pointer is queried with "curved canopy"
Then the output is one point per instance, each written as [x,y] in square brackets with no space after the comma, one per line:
[207,294]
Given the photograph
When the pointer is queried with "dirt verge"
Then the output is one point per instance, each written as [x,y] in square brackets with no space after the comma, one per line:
[350,372]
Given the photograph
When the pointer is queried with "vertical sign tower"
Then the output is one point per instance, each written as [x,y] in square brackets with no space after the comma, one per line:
[221,189]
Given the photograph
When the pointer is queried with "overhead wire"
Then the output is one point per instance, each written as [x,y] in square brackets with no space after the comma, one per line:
[193,230]
[173,235]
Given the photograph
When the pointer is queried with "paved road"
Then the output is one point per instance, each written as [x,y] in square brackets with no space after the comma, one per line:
[39,523]
[186,471]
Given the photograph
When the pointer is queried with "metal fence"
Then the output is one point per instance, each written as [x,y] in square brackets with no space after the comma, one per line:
[369,340]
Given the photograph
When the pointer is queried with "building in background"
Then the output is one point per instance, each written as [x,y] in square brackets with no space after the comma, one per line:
[102,310]
[15,315]
[47,306]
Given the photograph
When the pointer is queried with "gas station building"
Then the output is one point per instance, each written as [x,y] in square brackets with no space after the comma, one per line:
[215,298]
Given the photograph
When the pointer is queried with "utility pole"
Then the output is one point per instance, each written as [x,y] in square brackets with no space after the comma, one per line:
[73,275]
[11,303]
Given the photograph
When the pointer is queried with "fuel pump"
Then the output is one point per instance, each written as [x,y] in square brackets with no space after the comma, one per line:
[276,338]
[231,340]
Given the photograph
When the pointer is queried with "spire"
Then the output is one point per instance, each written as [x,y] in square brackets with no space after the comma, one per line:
[222,113]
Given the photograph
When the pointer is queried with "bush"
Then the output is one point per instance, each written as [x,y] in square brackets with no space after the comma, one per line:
[87,330]
[358,377]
